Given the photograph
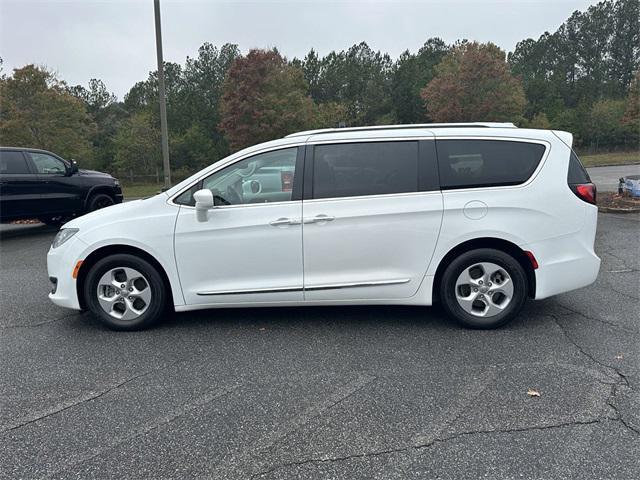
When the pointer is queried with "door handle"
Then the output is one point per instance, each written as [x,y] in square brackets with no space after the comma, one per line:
[320,218]
[284,221]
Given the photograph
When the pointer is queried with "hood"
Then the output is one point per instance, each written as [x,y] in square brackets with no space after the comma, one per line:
[93,173]
[131,211]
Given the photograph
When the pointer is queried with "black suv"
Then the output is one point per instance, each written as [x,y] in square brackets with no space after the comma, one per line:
[39,184]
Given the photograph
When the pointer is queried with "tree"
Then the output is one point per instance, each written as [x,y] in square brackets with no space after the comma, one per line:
[410,74]
[36,110]
[632,113]
[137,145]
[605,127]
[473,83]
[358,79]
[107,113]
[263,98]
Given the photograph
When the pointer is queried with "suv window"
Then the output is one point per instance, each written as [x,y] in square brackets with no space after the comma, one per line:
[374,168]
[483,163]
[13,162]
[263,178]
[48,165]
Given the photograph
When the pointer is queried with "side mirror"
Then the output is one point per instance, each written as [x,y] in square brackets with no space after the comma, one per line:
[73,168]
[204,202]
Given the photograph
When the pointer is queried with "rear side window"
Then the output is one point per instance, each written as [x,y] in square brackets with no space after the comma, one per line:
[577,174]
[356,169]
[13,162]
[484,163]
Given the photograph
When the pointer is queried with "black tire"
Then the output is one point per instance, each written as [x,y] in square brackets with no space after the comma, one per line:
[98,201]
[467,260]
[156,305]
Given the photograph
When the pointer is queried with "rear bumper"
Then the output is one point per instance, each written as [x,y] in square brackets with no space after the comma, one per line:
[566,263]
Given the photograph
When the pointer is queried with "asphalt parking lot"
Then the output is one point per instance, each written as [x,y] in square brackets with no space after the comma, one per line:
[370,392]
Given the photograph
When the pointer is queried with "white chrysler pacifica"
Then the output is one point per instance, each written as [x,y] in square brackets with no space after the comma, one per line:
[476,216]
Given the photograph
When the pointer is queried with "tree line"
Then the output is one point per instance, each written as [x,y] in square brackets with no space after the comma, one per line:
[582,78]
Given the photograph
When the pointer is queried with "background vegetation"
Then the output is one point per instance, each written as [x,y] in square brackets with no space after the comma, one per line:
[582,78]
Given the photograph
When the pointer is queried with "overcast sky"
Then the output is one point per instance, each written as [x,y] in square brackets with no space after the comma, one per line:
[114,39]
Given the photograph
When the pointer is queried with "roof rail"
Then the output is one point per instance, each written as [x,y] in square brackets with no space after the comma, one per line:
[407,126]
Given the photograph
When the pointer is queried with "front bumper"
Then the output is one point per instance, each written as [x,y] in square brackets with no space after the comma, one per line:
[60,264]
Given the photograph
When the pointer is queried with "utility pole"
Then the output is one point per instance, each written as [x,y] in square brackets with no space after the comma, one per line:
[163,101]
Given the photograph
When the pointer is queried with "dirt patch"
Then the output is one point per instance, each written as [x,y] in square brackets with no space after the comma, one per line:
[615,203]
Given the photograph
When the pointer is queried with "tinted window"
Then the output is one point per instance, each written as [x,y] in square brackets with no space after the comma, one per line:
[48,165]
[481,163]
[375,168]
[577,173]
[13,162]
[263,178]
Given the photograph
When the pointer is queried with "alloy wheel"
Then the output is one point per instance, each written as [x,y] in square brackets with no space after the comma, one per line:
[484,289]
[124,293]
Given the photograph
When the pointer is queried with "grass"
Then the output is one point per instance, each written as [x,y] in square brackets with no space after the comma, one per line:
[614,158]
[138,190]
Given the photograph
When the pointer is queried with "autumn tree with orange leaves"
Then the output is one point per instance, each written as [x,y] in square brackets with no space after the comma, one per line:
[473,83]
[264,97]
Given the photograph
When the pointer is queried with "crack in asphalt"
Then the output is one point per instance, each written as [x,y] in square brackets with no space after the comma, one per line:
[594,319]
[423,445]
[282,433]
[146,428]
[46,322]
[621,378]
[90,396]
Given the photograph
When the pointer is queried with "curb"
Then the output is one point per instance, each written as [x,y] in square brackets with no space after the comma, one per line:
[615,165]
[618,210]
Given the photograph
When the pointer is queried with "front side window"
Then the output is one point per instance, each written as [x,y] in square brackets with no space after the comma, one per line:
[13,163]
[263,178]
[48,165]
[483,163]
[356,169]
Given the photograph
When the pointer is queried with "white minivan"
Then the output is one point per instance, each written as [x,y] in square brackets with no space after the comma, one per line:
[476,216]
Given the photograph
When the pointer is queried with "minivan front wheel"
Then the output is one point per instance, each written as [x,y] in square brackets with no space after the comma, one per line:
[483,288]
[125,292]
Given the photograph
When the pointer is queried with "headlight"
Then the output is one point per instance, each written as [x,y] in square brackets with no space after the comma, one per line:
[62,236]
[116,182]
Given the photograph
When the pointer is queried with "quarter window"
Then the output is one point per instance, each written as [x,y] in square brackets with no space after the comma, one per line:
[483,163]
[264,178]
[374,168]
[13,163]
[48,165]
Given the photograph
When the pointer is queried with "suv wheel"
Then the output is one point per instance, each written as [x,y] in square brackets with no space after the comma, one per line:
[483,288]
[98,201]
[125,292]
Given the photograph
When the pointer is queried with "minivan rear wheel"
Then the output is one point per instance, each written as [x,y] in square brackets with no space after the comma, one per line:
[483,288]
[125,292]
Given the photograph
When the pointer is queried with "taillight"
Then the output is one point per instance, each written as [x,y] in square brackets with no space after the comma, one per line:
[585,191]
[287,181]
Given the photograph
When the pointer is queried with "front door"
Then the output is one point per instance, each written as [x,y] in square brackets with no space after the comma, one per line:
[373,220]
[60,192]
[249,250]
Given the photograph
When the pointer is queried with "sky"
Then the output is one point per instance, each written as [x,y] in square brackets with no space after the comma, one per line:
[114,40]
